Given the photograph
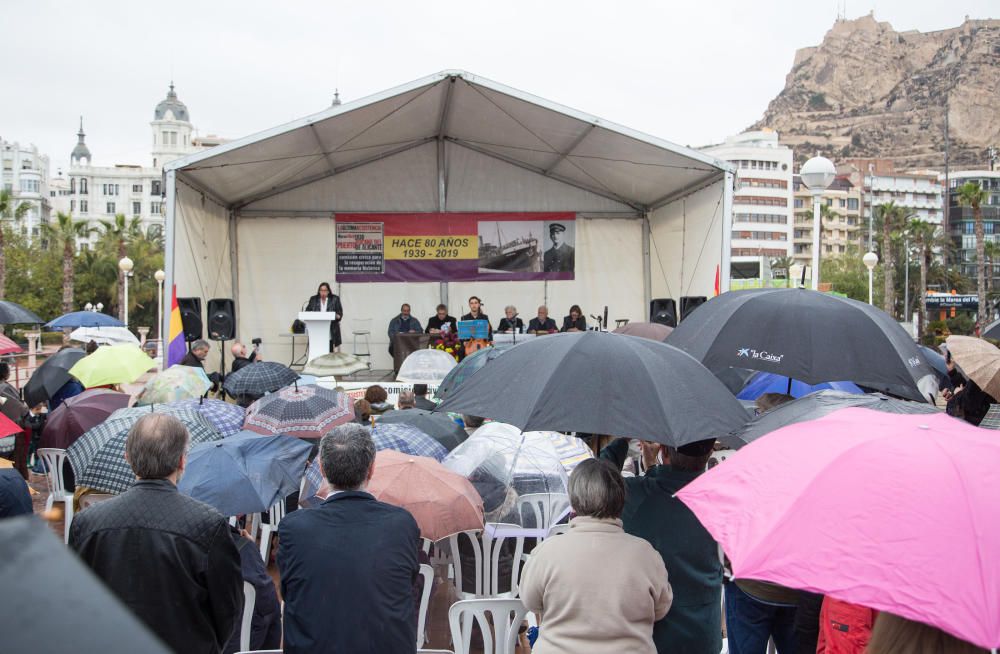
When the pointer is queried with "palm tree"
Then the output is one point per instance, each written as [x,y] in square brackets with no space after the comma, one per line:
[972,195]
[115,237]
[926,238]
[8,212]
[891,217]
[63,233]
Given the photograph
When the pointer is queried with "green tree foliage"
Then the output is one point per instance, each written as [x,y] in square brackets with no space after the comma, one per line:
[847,274]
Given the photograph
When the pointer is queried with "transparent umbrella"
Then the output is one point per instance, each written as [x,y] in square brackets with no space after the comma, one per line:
[511,469]
[426,367]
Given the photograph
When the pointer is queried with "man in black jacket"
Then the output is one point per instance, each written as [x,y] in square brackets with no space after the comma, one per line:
[348,566]
[168,557]
[240,357]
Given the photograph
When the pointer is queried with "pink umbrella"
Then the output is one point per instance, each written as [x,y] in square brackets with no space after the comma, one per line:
[8,346]
[895,512]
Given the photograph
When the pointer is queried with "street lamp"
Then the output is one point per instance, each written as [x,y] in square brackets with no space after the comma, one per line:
[125,265]
[159,276]
[88,307]
[817,174]
[871,260]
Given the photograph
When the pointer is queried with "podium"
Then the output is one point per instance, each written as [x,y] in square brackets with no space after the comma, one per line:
[318,330]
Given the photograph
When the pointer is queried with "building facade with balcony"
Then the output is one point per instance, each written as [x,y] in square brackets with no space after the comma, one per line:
[962,225]
[762,205]
[97,193]
[24,173]
[842,226]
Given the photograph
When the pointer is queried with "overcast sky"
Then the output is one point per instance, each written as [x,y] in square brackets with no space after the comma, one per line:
[691,72]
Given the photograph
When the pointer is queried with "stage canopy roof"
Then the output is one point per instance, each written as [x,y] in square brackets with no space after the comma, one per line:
[629,169]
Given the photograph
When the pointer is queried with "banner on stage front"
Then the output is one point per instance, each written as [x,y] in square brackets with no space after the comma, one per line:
[438,247]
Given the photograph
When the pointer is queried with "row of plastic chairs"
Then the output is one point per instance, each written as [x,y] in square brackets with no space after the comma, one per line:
[499,622]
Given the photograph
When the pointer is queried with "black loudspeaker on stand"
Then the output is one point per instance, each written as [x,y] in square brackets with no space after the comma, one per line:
[691,302]
[222,325]
[664,311]
[190,308]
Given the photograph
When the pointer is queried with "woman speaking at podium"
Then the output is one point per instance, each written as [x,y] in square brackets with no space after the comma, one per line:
[325,300]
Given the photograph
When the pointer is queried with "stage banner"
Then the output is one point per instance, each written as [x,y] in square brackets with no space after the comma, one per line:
[440,247]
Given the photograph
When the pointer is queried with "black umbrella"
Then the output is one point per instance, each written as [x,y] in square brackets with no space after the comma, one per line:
[601,383]
[806,335]
[12,313]
[97,623]
[51,375]
[260,378]
[991,330]
[816,405]
[436,425]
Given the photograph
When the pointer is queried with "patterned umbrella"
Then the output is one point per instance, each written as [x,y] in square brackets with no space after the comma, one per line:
[98,457]
[112,364]
[303,411]
[174,384]
[466,368]
[8,346]
[408,440]
[259,378]
[80,413]
[225,417]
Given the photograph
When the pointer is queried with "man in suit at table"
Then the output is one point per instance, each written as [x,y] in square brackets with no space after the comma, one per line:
[348,567]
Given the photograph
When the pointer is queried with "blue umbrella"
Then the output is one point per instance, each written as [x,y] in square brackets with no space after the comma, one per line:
[767,382]
[84,319]
[245,473]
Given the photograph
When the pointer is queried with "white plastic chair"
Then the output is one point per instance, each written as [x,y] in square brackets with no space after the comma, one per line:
[361,329]
[249,600]
[274,516]
[493,545]
[486,550]
[474,537]
[54,458]
[427,572]
[545,509]
[506,614]
[558,530]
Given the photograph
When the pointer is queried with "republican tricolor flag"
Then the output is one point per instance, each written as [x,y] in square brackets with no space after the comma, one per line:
[175,347]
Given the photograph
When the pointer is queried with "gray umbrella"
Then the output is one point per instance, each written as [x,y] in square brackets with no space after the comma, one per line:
[98,623]
[436,425]
[816,405]
[809,336]
[601,383]
[12,313]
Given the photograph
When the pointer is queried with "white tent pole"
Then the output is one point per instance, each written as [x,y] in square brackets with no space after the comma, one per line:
[170,241]
[647,269]
[727,230]
[234,262]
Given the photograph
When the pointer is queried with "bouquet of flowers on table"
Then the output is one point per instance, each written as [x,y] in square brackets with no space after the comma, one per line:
[448,342]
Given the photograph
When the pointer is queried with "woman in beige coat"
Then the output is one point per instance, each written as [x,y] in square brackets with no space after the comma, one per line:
[596,589]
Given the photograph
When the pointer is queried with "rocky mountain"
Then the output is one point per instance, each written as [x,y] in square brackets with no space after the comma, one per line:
[870,91]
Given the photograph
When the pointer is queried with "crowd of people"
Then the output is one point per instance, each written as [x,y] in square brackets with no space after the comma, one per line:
[635,571]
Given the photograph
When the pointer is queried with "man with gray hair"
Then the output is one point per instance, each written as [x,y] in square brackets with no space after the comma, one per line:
[168,557]
[407,400]
[348,567]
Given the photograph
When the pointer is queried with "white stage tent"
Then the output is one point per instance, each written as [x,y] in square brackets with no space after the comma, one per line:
[253,219]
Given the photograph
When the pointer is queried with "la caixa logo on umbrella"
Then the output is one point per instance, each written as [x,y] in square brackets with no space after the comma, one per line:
[761,355]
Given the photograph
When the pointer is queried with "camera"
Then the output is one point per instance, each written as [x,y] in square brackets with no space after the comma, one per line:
[256,341]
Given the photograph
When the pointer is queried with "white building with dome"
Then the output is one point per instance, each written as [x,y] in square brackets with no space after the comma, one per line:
[97,193]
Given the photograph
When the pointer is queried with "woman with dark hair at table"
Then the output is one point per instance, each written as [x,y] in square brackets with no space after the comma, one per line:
[574,322]
[325,300]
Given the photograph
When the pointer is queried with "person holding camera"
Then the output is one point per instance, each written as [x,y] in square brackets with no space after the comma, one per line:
[240,357]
